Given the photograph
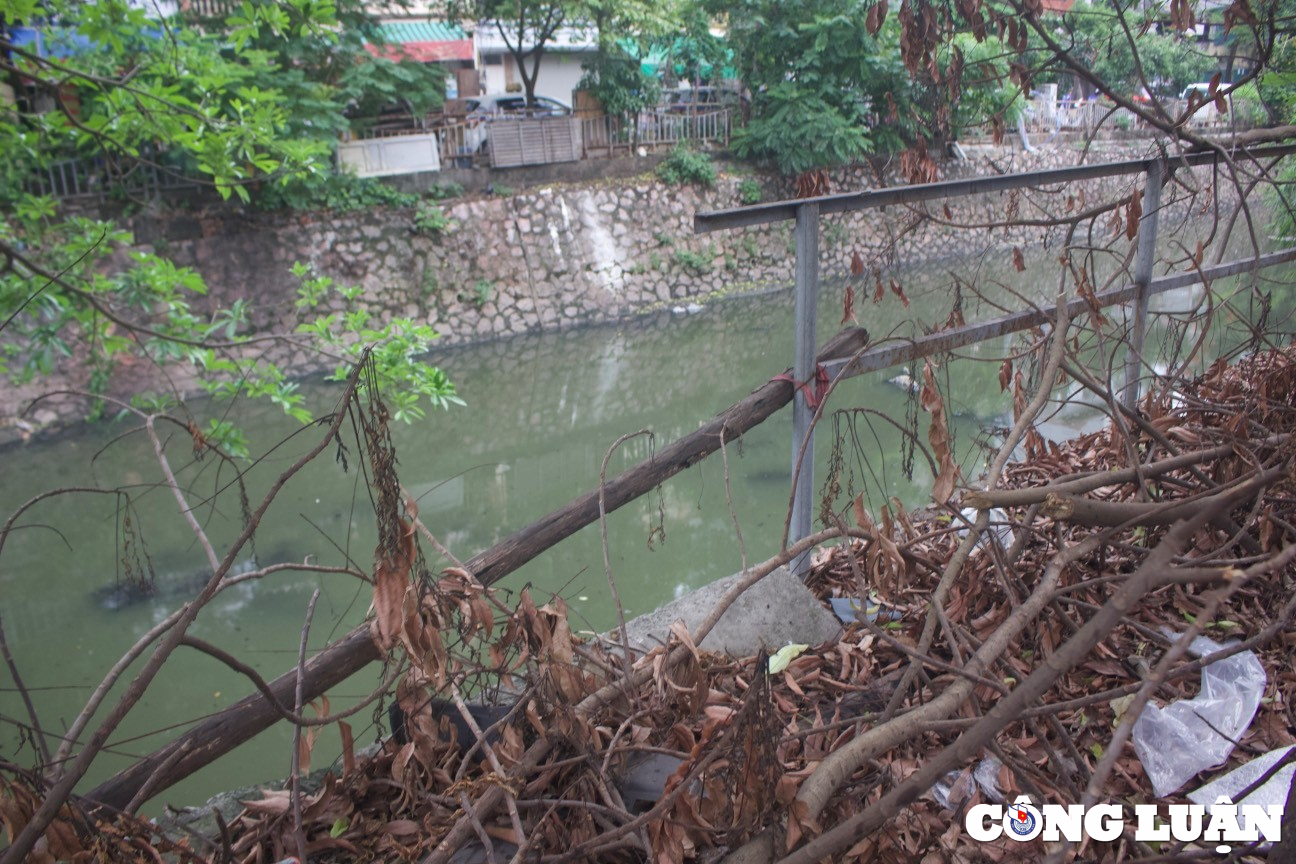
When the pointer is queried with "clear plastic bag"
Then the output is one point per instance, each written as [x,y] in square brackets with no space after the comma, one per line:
[1184,737]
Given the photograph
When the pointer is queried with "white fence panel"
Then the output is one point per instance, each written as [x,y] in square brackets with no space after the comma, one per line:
[398,154]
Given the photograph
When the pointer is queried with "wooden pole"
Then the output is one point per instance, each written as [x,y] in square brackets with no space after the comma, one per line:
[221,733]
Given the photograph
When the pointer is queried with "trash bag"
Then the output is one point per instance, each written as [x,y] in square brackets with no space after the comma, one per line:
[1184,737]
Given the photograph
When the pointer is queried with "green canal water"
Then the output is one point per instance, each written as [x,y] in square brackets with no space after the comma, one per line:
[541,412]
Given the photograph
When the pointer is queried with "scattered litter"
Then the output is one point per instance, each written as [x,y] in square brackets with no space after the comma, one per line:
[1000,527]
[957,787]
[1188,736]
[780,659]
[848,609]
[1272,793]
[645,780]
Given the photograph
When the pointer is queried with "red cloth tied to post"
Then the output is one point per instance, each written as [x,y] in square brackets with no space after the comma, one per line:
[813,396]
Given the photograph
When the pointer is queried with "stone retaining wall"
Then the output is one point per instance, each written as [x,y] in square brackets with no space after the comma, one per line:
[564,255]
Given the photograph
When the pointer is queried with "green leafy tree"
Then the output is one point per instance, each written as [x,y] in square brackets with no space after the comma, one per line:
[527,27]
[825,90]
[695,53]
[975,89]
[330,67]
[130,92]
[619,82]
[615,75]
[1123,46]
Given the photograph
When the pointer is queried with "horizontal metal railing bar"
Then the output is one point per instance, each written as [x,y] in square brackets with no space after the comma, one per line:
[780,211]
[885,356]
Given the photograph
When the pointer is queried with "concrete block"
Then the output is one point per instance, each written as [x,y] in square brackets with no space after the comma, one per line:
[775,611]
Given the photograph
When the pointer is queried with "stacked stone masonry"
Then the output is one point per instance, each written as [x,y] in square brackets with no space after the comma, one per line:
[560,256]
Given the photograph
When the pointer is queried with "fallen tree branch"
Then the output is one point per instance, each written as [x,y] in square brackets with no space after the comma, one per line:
[988,499]
[1008,709]
[462,830]
[222,732]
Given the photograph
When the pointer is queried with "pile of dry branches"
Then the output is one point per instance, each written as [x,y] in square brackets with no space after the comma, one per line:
[1037,644]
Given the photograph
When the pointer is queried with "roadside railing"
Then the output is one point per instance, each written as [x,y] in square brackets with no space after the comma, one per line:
[1045,117]
[83,179]
[606,136]
[805,215]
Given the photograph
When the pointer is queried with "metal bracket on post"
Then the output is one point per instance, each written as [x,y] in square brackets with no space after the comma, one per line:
[803,372]
[1144,258]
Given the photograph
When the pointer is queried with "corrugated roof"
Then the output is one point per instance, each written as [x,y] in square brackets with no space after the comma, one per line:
[423,41]
[421,31]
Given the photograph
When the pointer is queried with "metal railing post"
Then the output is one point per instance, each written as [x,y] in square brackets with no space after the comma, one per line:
[803,373]
[1144,258]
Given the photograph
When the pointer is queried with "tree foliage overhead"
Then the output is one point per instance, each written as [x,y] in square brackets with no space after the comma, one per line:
[527,27]
[117,94]
[1123,48]
[827,87]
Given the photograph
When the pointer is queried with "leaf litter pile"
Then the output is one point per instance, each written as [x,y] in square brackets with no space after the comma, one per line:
[683,755]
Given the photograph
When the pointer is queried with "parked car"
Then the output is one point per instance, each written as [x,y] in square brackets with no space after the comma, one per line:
[484,110]
[685,100]
[514,105]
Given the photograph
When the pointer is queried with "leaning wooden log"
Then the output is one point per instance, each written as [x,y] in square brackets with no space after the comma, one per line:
[222,732]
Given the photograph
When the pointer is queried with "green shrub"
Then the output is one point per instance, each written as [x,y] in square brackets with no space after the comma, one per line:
[480,294]
[341,193]
[697,262]
[442,191]
[749,192]
[431,220]
[685,165]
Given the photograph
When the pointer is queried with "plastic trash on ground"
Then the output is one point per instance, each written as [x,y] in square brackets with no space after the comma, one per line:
[851,609]
[1000,528]
[957,786]
[1188,736]
[1272,793]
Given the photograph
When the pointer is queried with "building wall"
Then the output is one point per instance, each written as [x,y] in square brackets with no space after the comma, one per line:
[560,72]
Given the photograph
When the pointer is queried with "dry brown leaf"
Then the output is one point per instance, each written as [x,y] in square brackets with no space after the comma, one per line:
[1133,213]
[391,583]
[848,305]
[348,749]
[862,517]
[939,438]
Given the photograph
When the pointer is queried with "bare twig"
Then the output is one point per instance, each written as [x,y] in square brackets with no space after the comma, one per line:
[603,535]
[146,791]
[37,733]
[294,794]
[58,794]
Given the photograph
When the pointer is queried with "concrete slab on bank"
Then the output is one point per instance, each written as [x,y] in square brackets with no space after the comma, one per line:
[775,611]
